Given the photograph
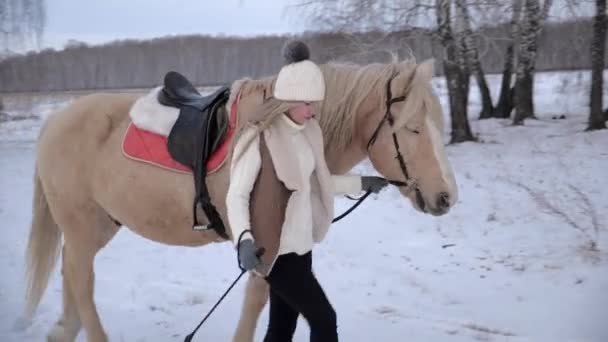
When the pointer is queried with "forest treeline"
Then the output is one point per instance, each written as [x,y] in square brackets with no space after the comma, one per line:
[216,60]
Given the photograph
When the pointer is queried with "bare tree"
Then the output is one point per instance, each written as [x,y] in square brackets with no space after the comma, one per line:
[456,72]
[597,119]
[19,21]
[472,54]
[22,23]
[505,98]
[530,28]
[356,16]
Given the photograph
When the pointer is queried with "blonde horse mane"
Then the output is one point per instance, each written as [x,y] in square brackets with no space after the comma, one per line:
[348,86]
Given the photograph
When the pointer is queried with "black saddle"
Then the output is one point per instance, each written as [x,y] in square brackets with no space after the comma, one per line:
[179,92]
[200,127]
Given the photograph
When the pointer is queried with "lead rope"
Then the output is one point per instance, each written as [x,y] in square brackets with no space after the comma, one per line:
[359,201]
[261,251]
[408,187]
[259,254]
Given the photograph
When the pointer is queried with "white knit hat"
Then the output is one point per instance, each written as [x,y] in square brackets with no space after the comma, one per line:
[300,79]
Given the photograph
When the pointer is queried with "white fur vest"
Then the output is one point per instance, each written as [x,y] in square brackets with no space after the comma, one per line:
[264,179]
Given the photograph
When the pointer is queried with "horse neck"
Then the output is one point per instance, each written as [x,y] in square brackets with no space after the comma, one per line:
[340,160]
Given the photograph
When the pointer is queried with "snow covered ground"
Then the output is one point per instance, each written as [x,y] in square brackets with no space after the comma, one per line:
[527,255]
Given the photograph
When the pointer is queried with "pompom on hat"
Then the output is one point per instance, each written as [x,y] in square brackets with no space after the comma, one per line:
[299,79]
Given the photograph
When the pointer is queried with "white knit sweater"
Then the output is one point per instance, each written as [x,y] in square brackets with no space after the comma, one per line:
[297,230]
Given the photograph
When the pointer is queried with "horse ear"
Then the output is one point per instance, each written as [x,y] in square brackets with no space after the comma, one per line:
[425,70]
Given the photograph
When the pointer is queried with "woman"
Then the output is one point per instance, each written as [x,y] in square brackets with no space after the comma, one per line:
[279,169]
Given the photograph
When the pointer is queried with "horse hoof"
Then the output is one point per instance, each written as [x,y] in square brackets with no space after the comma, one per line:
[56,335]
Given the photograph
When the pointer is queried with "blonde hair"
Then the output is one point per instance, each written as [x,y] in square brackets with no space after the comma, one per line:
[262,117]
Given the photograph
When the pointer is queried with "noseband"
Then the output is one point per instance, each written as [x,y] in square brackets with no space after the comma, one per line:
[409,183]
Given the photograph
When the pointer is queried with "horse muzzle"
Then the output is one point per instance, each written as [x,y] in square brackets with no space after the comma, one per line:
[440,206]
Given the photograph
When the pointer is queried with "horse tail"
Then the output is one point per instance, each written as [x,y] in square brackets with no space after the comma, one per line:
[43,248]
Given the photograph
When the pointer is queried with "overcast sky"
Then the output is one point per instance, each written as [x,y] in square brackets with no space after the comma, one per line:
[105,20]
[98,21]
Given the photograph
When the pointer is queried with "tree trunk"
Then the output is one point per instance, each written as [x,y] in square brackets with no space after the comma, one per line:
[505,99]
[456,73]
[460,84]
[472,55]
[524,103]
[486,99]
[597,119]
[458,94]
[526,55]
[524,86]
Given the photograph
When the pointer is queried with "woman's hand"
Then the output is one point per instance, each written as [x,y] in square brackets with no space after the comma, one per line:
[373,183]
[249,256]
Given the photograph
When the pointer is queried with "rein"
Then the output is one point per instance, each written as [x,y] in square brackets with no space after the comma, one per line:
[409,184]
[259,253]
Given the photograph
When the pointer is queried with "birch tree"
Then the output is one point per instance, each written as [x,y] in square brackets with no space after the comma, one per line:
[472,54]
[530,28]
[386,16]
[505,98]
[597,119]
[22,24]
[456,72]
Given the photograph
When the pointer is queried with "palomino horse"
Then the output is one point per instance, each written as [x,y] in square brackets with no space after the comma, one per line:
[84,184]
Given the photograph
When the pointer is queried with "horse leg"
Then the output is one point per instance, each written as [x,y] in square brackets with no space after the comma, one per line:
[256,297]
[86,231]
[67,328]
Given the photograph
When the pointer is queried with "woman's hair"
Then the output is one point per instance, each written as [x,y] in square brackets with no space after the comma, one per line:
[267,112]
[261,118]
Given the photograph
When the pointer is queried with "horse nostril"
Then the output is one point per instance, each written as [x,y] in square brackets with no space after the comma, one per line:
[443,200]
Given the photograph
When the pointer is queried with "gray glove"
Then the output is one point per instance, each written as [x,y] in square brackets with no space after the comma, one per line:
[373,183]
[248,255]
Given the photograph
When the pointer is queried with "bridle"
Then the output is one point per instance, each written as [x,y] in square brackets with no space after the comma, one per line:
[409,183]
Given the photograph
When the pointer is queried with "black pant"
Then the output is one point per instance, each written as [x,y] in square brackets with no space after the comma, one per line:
[294,290]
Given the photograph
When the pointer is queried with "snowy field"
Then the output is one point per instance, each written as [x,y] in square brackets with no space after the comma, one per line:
[522,257]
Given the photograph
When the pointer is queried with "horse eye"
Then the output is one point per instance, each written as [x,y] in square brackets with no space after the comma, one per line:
[415,131]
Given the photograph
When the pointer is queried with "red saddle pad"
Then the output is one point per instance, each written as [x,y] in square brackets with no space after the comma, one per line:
[151,148]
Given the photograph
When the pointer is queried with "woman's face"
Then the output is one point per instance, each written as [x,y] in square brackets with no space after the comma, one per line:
[301,112]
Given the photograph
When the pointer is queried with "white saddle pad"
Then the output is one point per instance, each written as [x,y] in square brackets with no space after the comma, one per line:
[148,114]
